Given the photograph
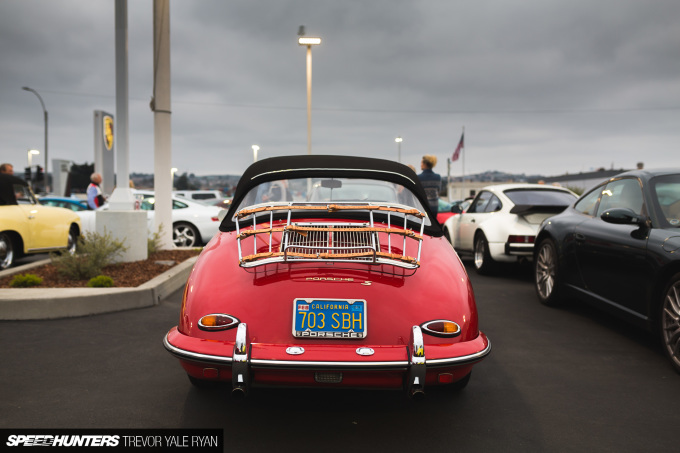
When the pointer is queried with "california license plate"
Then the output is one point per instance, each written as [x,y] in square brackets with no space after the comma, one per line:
[329,318]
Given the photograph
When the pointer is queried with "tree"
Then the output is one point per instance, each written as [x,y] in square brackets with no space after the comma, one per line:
[182,182]
[79,177]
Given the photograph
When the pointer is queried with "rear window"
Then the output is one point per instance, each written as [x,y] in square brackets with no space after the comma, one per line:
[329,191]
[542,197]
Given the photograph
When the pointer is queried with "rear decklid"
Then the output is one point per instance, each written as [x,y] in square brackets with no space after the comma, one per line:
[535,214]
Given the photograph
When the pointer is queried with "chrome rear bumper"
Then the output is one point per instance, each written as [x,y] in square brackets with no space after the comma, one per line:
[389,359]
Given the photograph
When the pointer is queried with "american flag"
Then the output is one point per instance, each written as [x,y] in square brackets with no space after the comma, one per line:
[461,145]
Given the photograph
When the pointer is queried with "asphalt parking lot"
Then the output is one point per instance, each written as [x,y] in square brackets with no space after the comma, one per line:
[568,379]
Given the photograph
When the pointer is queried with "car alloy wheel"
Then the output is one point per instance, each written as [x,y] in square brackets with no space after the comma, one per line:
[670,321]
[6,251]
[72,242]
[545,273]
[483,262]
[184,235]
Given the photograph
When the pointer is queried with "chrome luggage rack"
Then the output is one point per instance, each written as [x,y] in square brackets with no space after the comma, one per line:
[328,241]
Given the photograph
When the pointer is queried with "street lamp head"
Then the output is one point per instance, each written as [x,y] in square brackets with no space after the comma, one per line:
[308,41]
[398,139]
[33,151]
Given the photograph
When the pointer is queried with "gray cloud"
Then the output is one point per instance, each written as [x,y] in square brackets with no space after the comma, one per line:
[540,86]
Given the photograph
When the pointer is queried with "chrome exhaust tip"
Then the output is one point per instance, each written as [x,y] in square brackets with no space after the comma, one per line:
[417,394]
[238,393]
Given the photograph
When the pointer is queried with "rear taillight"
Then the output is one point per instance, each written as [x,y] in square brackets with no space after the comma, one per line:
[441,328]
[517,239]
[217,321]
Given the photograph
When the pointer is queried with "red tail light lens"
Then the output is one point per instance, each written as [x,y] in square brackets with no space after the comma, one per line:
[441,328]
[217,321]
[516,239]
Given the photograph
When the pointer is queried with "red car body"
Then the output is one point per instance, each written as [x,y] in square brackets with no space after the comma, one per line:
[392,310]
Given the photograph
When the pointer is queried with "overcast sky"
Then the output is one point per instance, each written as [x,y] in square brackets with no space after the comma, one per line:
[540,86]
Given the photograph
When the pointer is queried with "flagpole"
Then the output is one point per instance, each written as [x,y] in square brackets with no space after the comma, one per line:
[462,186]
[448,179]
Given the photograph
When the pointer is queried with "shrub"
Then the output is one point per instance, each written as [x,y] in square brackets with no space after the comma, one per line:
[94,251]
[154,242]
[25,281]
[577,190]
[100,281]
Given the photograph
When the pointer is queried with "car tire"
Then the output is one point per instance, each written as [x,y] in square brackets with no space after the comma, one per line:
[6,251]
[484,264]
[72,241]
[185,235]
[670,321]
[546,274]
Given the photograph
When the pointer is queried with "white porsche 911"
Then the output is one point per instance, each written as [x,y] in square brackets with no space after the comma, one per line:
[501,223]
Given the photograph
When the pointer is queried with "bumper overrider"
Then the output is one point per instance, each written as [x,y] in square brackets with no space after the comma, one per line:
[412,366]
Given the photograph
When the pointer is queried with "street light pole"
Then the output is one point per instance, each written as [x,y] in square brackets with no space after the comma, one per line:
[32,152]
[255,150]
[45,115]
[399,140]
[309,42]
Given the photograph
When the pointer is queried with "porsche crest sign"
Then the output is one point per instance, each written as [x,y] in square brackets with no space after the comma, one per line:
[107,132]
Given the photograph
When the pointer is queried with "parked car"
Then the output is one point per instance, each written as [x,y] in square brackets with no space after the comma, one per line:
[63,202]
[447,210]
[29,227]
[357,292]
[618,249]
[193,223]
[501,223]
[198,195]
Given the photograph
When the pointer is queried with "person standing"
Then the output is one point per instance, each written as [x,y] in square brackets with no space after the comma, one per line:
[8,169]
[95,199]
[431,182]
[7,183]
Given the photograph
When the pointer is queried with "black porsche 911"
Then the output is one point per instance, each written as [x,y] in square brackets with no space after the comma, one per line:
[618,247]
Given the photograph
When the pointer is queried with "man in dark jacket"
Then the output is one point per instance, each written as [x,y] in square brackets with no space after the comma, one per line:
[7,183]
[431,182]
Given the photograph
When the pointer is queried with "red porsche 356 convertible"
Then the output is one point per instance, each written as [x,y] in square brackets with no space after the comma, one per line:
[328,271]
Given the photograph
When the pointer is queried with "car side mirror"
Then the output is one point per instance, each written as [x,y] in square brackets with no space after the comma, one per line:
[623,216]
[456,209]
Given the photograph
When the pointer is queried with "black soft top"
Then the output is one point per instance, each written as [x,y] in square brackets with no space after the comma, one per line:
[323,166]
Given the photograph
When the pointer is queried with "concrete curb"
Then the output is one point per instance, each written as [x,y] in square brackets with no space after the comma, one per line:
[55,303]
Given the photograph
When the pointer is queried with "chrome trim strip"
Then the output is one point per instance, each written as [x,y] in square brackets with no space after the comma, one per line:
[305,364]
[195,356]
[46,249]
[609,302]
[461,360]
